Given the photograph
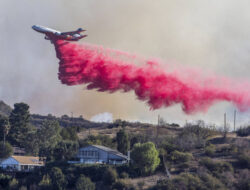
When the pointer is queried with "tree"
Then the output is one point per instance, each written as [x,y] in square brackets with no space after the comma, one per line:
[65,150]
[13,184]
[19,120]
[137,138]
[4,181]
[145,157]
[49,133]
[31,144]
[110,176]
[4,127]
[45,183]
[122,141]
[49,136]
[58,179]
[5,150]
[69,133]
[84,183]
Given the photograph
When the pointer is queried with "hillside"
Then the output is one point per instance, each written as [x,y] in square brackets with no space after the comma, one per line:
[196,156]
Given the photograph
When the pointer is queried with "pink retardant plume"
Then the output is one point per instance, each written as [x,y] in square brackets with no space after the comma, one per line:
[111,71]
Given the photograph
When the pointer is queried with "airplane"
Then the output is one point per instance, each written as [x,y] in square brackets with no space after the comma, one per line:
[51,34]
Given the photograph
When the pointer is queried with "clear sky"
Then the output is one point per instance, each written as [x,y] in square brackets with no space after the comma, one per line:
[209,35]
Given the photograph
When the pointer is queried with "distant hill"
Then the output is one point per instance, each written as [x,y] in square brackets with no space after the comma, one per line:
[64,121]
[78,122]
[4,109]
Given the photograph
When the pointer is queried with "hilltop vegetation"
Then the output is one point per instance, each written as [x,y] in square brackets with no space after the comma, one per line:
[195,156]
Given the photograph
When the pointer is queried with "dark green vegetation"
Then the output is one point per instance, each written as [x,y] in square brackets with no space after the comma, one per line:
[122,140]
[195,157]
[243,131]
[145,158]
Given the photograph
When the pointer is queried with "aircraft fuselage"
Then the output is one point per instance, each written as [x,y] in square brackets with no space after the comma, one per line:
[51,34]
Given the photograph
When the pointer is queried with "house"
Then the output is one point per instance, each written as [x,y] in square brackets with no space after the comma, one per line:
[21,163]
[100,154]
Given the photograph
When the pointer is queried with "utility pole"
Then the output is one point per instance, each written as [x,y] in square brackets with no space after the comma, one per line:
[234,120]
[225,121]
[225,126]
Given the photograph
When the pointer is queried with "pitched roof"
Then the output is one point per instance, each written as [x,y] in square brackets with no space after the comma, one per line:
[28,160]
[111,151]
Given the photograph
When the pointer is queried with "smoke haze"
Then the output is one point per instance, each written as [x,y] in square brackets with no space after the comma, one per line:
[102,117]
[211,35]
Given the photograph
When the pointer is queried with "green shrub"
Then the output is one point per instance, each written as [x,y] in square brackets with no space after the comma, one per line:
[104,140]
[216,167]
[23,188]
[110,176]
[189,181]
[165,184]
[95,171]
[244,161]
[58,179]
[84,183]
[124,175]
[243,131]
[45,183]
[145,157]
[211,182]
[184,165]
[5,150]
[229,150]
[13,183]
[131,171]
[180,157]
[169,147]
[210,150]
[120,185]
[4,181]
[243,181]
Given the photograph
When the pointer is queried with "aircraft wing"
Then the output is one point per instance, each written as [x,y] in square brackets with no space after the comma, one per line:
[69,33]
[73,32]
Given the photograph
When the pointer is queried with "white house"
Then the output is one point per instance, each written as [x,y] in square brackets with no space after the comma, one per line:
[21,163]
[100,154]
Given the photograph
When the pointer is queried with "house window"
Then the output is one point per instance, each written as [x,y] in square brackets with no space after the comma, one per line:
[95,154]
[83,153]
[90,153]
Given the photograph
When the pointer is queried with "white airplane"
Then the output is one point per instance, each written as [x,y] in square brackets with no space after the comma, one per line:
[51,34]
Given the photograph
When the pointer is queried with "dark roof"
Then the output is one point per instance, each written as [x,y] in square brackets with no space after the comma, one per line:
[109,150]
